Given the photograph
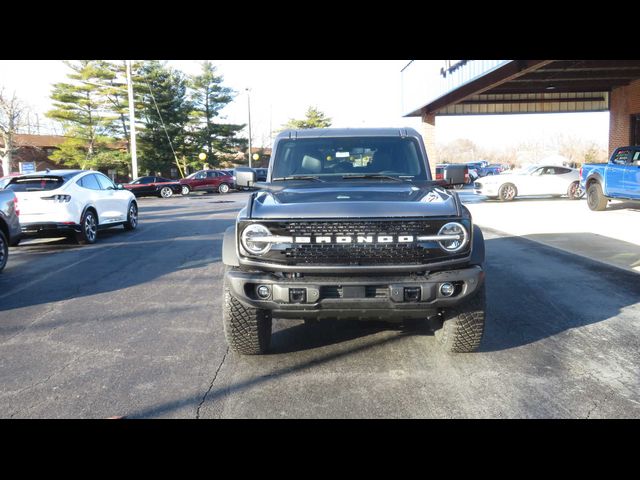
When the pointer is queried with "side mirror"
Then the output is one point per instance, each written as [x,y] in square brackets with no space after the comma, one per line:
[245,177]
[119,186]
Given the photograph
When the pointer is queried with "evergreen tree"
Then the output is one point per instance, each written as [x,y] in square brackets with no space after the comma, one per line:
[81,108]
[209,96]
[168,87]
[314,118]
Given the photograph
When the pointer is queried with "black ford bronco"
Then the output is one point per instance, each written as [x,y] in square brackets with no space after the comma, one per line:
[350,225]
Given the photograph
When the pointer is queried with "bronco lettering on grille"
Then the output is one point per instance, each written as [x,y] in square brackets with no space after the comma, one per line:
[358,239]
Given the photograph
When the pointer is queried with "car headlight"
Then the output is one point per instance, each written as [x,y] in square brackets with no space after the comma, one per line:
[458,234]
[254,231]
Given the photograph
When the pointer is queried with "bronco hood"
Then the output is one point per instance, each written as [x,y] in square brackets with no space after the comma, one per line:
[361,200]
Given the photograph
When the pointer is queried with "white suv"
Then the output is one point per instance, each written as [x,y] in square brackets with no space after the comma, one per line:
[57,203]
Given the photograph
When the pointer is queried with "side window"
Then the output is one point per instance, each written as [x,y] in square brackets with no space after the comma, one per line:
[90,182]
[549,171]
[622,157]
[105,183]
[537,172]
[201,175]
[636,158]
[212,174]
[147,180]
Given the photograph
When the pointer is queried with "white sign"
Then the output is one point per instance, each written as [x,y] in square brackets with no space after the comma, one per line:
[27,167]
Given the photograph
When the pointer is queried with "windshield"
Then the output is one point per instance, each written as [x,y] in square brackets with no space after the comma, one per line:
[338,158]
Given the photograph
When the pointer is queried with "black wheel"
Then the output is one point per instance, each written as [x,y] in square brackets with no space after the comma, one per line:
[223,188]
[132,217]
[507,192]
[595,199]
[463,325]
[166,192]
[575,192]
[247,330]
[4,250]
[185,190]
[88,228]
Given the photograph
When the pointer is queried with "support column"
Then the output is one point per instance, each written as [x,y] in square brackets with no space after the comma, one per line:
[428,131]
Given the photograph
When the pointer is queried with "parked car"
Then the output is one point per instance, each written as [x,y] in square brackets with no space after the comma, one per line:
[9,224]
[231,172]
[78,203]
[207,180]
[261,174]
[618,179]
[156,186]
[492,170]
[454,175]
[535,180]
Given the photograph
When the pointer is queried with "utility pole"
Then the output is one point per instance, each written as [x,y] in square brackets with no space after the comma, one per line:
[249,106]
[132,123]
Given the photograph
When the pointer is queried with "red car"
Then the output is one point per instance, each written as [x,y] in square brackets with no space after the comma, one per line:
[157,186]
[207,180]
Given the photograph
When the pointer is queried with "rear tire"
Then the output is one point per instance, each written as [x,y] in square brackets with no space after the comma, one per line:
[507,192]
[463,325]
[166,192]
[4,250]
[223,188]
[132,217]
[247,330]
[595,199]
[88,228]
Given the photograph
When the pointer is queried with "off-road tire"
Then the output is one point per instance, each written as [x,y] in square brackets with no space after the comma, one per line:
[463,325]
[505,194]
[88,233]
[247,330]
[595,199]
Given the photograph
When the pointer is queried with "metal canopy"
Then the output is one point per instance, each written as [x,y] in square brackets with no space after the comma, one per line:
[537,86]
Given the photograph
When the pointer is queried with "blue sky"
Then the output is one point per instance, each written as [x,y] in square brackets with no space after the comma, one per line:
[353,93]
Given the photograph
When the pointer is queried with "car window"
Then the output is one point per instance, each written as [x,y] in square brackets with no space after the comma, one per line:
[163,180]
[201,175]
[636,158]
[35,184]
[90,182]
[147,180]
[105,183]
[212,174]
[622,157]
[538,171]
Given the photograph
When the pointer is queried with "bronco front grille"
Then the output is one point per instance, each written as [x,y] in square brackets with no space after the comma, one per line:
[333,252]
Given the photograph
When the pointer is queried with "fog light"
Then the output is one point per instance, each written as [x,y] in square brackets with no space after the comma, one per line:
[263,291]
[447,289]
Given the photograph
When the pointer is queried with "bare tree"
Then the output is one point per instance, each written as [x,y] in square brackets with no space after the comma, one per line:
[12,117]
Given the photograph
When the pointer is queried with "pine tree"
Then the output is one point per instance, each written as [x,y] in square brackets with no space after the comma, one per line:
[82,109]
[314,118]
[209,97]
[166,88]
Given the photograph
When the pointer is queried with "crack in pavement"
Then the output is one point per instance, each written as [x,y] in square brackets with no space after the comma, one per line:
[204,398]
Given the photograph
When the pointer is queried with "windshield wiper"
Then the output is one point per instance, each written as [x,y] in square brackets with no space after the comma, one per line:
[374,175]
[298,177]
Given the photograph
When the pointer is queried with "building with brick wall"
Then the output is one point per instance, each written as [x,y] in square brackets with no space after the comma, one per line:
[34,148]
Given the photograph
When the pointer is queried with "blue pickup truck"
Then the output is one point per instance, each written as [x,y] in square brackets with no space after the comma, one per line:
[618,179]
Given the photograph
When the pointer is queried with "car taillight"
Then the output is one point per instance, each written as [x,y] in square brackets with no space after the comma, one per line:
[439,176]
[15,206]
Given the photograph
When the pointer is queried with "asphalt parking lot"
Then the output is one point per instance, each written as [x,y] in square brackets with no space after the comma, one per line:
[131,327]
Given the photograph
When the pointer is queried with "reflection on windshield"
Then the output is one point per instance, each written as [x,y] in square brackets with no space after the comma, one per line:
[344,158]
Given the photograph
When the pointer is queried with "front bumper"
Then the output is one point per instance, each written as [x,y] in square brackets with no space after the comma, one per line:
[48,229]
[379,297]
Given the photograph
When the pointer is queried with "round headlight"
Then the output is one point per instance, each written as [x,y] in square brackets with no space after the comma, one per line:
[457,244]
[251,246]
